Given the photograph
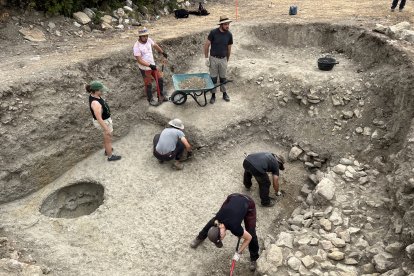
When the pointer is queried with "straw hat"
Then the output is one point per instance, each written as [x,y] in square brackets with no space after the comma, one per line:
[224,19]
[143,31]
[177,123]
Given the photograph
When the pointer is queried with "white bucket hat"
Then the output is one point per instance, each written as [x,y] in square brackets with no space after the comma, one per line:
[224,19]
[177,123]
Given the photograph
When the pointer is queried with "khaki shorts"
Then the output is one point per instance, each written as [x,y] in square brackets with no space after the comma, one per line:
[108,122]
[218,67]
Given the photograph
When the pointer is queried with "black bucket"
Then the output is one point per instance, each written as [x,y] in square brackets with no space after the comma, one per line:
[326,63]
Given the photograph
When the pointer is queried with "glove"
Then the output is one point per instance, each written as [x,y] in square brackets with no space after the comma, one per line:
[165,54]
[236,256]
[278,193]
[153,67]
[207,62]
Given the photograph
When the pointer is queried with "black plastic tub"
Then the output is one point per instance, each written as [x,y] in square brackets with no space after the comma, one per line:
[326,63]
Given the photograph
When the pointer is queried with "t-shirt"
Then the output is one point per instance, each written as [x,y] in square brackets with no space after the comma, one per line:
[219,42]
[145,52]
[168,140]
[232,213]
[264,162]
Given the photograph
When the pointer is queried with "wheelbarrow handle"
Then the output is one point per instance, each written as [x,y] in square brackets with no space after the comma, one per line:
[220,84]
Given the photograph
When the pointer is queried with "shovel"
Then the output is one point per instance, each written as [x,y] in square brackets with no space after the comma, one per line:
[233,262]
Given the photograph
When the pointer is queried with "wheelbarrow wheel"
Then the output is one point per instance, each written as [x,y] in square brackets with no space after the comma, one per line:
[178,97]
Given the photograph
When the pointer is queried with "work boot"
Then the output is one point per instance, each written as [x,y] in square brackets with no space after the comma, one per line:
[226,97]
[114,157]
[270,204]
[154,102]
[178,166]
[213,99]
[195,243]
[252,266]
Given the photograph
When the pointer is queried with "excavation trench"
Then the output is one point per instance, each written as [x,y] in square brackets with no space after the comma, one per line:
[150,213]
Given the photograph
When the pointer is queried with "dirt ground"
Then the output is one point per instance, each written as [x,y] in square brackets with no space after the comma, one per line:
[151,212]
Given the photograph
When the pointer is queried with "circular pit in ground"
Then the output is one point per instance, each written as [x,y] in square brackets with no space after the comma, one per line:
[75,200]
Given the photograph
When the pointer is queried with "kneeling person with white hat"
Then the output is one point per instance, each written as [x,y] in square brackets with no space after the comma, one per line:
[170,144]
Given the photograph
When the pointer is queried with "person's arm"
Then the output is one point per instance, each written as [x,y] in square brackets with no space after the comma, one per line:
[186,144]
[276,183]
[97,110]
[206,47]
[228,52]
[246,240]
[141,61]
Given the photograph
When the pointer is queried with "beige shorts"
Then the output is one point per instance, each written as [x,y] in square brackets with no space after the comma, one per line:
[218,67]
[108,122]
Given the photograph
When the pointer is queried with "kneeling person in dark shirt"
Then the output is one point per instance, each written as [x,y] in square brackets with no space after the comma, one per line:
[235,209]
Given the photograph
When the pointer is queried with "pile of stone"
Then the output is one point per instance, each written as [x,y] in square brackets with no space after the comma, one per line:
[339,229]
[18,262]
[400,31]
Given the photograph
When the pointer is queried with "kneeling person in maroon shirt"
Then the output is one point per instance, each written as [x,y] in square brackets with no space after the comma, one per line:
[235,209]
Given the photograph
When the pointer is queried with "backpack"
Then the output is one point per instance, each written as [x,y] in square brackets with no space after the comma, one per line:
[181,13]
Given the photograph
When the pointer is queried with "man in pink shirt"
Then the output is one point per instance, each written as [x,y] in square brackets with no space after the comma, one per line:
[143,54]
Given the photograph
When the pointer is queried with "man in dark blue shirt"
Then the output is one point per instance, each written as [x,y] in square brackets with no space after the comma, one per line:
[258,165]
[235,209]
[220,40]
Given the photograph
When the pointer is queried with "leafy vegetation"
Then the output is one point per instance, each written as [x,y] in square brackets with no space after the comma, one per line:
[68,7]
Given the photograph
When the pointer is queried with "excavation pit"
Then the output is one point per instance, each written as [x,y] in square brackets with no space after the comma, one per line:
[73,201]
[279,99]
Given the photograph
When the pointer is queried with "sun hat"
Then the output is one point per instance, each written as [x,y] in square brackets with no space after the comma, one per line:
[177,123]
[97,85]
[214,236]
[143,31]
[224,19]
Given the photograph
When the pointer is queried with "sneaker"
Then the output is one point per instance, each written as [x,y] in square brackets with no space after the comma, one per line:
[154,102]
[178,166]
[252,265]
[213,99]
[114,157]
[270,204]
[226,97]
[195,243]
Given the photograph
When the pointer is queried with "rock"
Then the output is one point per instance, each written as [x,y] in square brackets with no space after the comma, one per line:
[294,263]
[346,161]
[326,224]
[339,169]
[304,241]
[314,241]
[347,114]
[324,191]
[285,239]
[345,235]
[336,255]
[337,100]
[81,18]
[380,28]
[367,131]
[308,261]
[51,26]
[294,153]
[120,27]
[107,19]
[395,30]
[407,35]
[350,261]
[394,272]
[106,26]
[359,130]
[382,262]
[57,33]
[336,217]
[34,35]
[347,270]
[76,24]
[394,248]
[128,9]
[297,220]
[410,251]
[90,13]
[326,245]
[270,260]
[307,189]
[337,242]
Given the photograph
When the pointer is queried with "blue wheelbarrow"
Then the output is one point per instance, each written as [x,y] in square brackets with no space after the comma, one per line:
[179,96]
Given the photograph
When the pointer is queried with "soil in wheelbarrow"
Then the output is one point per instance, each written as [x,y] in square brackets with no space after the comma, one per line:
[193,83]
